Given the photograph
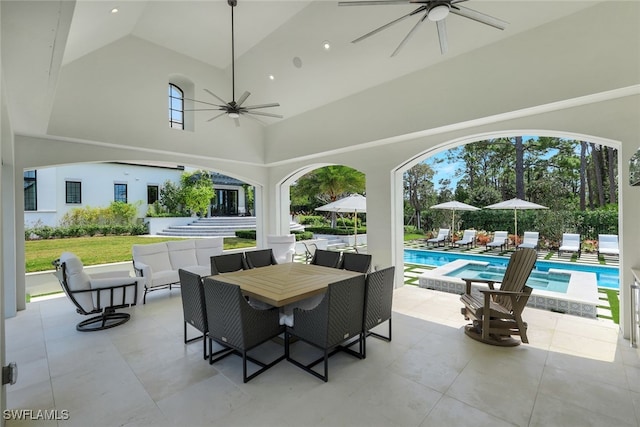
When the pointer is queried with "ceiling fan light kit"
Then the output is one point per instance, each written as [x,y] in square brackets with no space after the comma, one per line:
[438,12]
[433,10]
[234,109]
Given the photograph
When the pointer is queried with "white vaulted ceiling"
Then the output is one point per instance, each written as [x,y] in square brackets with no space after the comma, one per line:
[271,38]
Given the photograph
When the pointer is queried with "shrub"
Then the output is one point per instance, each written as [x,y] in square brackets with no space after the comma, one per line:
[246,234]
[302,235]
[313,220]
[335,231]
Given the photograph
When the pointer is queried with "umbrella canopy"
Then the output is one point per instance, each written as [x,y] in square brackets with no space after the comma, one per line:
[516,204]
[354,203]
[454,206]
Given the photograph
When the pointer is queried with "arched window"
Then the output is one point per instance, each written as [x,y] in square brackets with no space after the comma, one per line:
[176,107]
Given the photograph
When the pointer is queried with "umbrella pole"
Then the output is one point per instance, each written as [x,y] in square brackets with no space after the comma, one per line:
[453,223]
[515,217]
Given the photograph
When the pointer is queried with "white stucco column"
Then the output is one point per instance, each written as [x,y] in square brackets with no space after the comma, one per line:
[381,231]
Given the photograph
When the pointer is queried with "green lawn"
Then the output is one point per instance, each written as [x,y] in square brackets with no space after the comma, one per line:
[98,250]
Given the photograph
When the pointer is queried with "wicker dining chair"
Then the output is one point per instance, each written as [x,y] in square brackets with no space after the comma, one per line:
[326,258]
[237,326]
[193,307]
[228,263]
[356,262]
[335,321]
[260,258]
[377,303]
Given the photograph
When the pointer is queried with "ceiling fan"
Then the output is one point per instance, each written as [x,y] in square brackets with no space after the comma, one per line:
[432,10]
[235,108]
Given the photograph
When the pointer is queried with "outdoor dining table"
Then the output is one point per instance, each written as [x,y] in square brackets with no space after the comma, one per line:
[282,284]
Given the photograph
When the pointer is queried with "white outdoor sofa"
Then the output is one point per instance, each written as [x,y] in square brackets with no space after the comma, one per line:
[159,263]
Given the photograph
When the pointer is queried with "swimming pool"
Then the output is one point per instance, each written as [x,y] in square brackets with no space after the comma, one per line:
[607,276]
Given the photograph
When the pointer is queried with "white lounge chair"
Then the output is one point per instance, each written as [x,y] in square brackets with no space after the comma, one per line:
[608,244]
[499,240]
[468,239]
[570,243]
[530,240]
[442,237]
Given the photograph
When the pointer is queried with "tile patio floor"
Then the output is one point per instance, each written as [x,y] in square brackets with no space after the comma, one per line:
[574,372]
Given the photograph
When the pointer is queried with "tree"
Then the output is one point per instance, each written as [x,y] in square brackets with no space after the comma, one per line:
[418,189]
[519,167]
[198,192]
[328,184]
[172,198]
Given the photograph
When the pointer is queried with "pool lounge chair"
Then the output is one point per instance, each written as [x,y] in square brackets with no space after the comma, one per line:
[608,245]
[468,239]
[499,240]
[442,237]
[570,243]
[530,240]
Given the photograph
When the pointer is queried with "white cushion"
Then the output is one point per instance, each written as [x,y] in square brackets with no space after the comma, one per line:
[77,280]
[99,281]
[182,253]
[206,248]
[154,255]
[161,278]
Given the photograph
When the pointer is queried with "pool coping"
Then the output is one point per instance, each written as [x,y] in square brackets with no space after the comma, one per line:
[581,298]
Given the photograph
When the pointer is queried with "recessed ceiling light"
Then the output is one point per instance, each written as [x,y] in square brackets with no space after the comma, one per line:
[326,45]
[272,77]
[114,10]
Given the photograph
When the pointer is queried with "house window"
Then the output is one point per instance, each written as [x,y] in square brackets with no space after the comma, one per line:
[152,194]
[30,191]
[120,192]
[73,192]
[176,107]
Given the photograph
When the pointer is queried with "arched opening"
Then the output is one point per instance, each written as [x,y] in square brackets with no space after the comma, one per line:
[329,183]
[399,172]
[94,186]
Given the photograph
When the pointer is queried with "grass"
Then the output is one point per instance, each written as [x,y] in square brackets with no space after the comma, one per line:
[98,250]
[416,236]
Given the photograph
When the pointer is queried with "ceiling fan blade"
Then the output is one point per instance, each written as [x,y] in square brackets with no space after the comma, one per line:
[243,98]
[409,35]
[457,1]
[442,36]
[385,26]
[253,107]
[479,17]
[371,3]
[250,116]
[203,109]
[215,96]
[202,102]
[215,117]
[258,113]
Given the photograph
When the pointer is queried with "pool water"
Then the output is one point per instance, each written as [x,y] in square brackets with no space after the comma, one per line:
[607,276]
[555,282]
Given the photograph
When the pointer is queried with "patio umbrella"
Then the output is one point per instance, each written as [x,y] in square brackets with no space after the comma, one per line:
[516,204]
[354,203]
[454,206]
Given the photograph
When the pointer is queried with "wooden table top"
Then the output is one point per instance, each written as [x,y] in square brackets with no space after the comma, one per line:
[283,284]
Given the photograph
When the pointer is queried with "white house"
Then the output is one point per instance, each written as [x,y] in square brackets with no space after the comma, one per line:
[49,193]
